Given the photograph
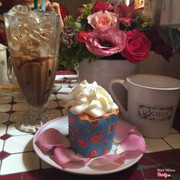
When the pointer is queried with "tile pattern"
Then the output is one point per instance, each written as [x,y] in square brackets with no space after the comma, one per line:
[19,161]
[16,148]
[152,166]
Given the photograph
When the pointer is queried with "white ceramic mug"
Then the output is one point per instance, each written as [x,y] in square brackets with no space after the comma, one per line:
[3,64]
[151,102]
[8,81]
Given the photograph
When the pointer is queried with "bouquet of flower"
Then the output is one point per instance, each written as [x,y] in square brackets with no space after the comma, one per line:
[106,29]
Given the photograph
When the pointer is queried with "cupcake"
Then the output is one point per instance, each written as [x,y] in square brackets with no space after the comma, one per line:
[92,120]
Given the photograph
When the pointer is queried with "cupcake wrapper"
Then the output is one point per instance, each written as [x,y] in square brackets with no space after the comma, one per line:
[91,139]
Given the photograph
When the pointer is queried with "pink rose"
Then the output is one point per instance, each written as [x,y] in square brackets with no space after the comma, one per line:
[137,46]
[102,19]
[105,42]
[83,36]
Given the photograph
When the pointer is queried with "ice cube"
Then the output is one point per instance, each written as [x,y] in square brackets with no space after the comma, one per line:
[39,17]
[31,32]
[19,9]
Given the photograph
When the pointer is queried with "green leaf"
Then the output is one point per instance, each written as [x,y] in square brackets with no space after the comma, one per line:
[88,10]
[77,26]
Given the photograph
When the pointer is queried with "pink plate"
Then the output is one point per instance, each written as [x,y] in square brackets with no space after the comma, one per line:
[61,124]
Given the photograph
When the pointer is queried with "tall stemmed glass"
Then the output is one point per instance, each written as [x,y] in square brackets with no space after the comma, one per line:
[33,40]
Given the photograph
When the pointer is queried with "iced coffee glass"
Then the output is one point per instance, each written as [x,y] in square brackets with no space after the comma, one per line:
[33,40]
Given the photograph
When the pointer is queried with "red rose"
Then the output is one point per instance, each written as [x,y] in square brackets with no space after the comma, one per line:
[98,6]
[137,46]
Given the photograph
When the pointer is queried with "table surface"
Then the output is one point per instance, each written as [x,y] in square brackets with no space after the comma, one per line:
[18,161]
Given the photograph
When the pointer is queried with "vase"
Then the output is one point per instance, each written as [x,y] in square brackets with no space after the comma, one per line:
[104,70]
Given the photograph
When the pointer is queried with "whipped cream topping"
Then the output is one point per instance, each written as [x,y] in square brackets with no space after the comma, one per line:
[91,99]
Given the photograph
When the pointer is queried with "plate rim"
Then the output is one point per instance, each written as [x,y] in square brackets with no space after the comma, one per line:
[43,157]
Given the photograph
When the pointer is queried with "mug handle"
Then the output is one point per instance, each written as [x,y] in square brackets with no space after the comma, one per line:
[124,84]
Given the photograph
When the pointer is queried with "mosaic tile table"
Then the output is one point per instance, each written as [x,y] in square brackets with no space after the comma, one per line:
[18,161]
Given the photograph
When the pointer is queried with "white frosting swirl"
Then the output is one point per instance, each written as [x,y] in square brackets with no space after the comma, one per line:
[91,99]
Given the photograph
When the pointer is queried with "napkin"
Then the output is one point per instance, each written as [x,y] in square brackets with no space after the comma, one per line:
[57,146]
